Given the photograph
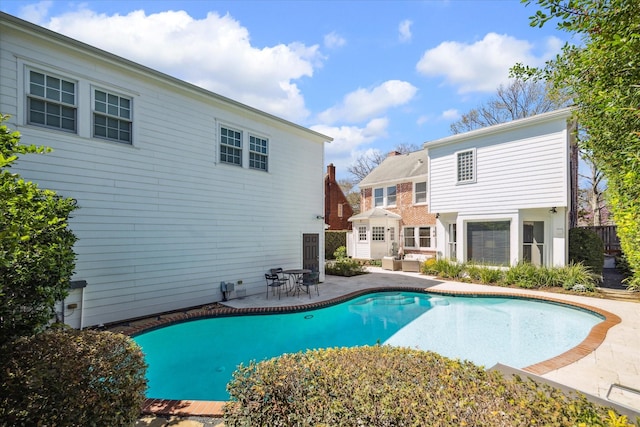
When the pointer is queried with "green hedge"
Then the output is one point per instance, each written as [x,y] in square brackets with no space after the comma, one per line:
[388,386]
[65,377]
[586,247]
[332,241]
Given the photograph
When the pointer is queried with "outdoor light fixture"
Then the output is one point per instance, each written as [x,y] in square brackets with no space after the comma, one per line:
[553,210]
[319,217]
[438,215]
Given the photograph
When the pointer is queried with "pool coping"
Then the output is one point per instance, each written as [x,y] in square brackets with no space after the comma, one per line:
[167,407]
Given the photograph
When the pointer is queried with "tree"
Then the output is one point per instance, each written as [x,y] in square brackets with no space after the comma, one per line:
[36,245]
[348,187]
[519,99]
[592,208]
[602,73]
[368,161]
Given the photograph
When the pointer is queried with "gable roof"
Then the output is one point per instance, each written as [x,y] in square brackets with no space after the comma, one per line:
[397,168]
[375,213]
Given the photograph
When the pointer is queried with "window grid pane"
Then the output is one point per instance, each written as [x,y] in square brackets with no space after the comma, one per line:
[465,167]
[409,237]
[111,117]
[230,146]
[362,233]
[377,234]
[258,153]
[51,102]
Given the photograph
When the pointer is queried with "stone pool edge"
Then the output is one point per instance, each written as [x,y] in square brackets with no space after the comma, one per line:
[168,407]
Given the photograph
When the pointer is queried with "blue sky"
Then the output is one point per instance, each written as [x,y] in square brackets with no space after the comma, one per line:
[370,74]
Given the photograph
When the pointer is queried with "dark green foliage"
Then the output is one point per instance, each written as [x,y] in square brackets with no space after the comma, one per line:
[36,246]
[64,377]
[332,241]
[586,247]
[388,386]
[343,266]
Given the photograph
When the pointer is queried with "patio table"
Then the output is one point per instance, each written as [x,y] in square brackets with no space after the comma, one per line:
[295,274]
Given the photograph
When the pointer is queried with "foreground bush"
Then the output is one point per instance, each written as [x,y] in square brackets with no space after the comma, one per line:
[343,265]
[586,247]
[388,386]
[66,377]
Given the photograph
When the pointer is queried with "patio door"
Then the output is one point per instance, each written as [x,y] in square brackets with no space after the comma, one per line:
[311,251]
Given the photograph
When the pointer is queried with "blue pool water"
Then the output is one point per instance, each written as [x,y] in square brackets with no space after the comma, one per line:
[195,359]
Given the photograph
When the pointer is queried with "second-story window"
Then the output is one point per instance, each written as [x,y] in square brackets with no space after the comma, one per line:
[391,196]
[258,153]
[112,117]
[465,161]
[420,192]
[51,101]
[230,146]
[378,197]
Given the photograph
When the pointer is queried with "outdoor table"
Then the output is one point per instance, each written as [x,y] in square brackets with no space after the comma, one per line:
[295,274]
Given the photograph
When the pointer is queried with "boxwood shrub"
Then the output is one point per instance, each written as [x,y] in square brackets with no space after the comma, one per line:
[64,377]
[390,386]
[586,247]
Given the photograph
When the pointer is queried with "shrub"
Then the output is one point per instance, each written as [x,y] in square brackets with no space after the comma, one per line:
[522,275]
[586,247]
[340,253]
[344,267]
[389,386]
[36,246]
[332,241]
[64,377]
[444,268]
[489,275]
[577,277]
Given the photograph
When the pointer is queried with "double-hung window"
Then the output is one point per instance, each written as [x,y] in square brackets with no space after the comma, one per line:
[258,153]
[230,146]
[466,167]
[420,192]
[112,117]
[417,237]
[391,196]
[409,237]
[378,197]
[51,101]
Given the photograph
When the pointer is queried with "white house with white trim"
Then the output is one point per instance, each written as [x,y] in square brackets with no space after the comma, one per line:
[502,194]
[178,188]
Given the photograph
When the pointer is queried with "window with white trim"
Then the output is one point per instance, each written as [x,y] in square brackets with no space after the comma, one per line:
[489,242]
[453,240]
[362,233]
[230,146]
[533,242]
[420,192]
[466,165]
[112,117]
[392,234]
[417,237]
[51,101]
[377,234]
[258,153]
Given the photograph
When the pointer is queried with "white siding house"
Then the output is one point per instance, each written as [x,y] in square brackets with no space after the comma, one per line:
[178,188]
[501,194]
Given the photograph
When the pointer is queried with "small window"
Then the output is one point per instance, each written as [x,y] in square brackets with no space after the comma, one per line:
[112,117]
[377,234]
[340,210]
[230,146]
[391,196]
[378,197]
[392,234]
[409,237]
[51,102]
[425,237]
[362,233]
[466,166]
[420,192]
[453,241]
[258,153]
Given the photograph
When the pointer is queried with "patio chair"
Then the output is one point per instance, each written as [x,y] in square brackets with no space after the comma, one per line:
[309,280]
[283,277]
[273,283]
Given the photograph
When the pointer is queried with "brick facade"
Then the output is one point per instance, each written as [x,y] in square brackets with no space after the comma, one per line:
[334,216]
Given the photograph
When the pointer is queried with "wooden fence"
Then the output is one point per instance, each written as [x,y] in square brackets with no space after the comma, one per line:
[609,237]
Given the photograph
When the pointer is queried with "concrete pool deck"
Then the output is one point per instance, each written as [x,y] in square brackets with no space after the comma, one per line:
[612,359]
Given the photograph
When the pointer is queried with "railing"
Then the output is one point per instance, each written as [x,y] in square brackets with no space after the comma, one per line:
[609,237]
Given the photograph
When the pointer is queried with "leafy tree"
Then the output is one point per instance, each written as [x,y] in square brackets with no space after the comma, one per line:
[348,187]
[602,73]
[36,254]
[368,161]
[519,99]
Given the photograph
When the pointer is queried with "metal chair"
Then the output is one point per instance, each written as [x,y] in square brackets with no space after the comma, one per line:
[282,277]
[273,282]
[309,280]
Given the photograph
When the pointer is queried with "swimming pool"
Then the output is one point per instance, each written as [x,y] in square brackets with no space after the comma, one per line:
[194,360]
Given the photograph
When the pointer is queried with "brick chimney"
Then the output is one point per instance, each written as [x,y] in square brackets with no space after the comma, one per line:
[393,153]
[331,171]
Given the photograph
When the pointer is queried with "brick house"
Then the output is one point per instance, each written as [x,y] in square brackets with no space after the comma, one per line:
[337,209]
[395,215]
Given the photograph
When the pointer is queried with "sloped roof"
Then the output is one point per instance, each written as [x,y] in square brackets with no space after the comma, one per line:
[400,167]
[375,213]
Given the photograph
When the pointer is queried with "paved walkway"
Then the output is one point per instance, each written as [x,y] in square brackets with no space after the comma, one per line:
[615,361]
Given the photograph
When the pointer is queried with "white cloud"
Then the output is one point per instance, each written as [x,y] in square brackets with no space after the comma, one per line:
[404,30]
[450,114]
[350,142]
[214,52]
[478,67]
[364,104]
[333,40]
[36,12]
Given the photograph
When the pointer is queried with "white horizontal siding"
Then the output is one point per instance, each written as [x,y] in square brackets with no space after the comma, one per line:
[162,222]
[518,169]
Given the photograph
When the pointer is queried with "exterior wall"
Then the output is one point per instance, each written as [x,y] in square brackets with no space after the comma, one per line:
[522,174]
[162,222]
[333,196]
